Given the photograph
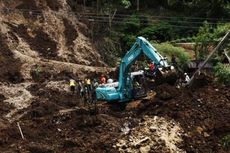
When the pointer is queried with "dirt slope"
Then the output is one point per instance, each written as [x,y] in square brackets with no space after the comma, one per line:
[44,30]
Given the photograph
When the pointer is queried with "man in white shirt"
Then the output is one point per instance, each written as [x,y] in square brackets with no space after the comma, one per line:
[110,80]
[187,79]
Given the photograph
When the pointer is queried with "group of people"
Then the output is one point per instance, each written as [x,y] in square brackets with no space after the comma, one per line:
[87,88]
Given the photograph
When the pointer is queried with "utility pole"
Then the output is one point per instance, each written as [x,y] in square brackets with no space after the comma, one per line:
[97,7]
[138,5]
[209,56]
[111,16]
[84,5]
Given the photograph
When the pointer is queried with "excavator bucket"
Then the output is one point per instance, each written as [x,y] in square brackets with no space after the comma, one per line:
[166,75]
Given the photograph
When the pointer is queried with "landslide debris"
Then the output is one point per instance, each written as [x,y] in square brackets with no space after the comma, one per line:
[46,30]
[10,67]
[203,113]
[188,120]
[53,120]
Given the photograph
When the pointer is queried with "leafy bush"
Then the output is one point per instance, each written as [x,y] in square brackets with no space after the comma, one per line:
[131,24]
[169,50]
[222,72]
[159,31]
[226,142]
[208,36]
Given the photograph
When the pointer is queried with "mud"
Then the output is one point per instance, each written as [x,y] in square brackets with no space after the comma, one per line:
[10,67]
[204,113]
[64,120]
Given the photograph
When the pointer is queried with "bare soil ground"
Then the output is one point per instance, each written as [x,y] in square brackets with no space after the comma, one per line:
[186,120]
[53,120]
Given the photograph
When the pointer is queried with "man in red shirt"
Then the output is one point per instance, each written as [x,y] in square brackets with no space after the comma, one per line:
[103,79]
[151,67]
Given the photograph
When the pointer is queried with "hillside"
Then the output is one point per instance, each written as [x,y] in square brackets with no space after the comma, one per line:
[46,33]
[43,45]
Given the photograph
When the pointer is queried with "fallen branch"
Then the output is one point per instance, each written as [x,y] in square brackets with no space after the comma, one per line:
[20,131]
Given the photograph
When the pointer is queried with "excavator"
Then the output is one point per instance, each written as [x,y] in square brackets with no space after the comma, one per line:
[128,87]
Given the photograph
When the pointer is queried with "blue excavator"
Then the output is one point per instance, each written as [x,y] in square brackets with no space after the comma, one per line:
[131,84]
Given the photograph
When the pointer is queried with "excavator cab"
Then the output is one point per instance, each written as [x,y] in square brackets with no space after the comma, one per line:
[138,84]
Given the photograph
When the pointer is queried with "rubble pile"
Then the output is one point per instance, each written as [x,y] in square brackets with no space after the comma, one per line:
[152,133]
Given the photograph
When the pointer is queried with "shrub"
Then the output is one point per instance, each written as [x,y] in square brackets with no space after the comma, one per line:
[222,72]
[226,142]
[159,31]
[169,50]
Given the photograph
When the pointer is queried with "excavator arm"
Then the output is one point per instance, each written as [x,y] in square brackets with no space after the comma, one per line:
[123,92]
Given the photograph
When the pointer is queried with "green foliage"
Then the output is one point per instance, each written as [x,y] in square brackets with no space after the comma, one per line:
[132,24]
[221,30]
[222,72]
[108,51]
[160,31]
[129,40]
[169,50]
[226,142]
[126,3]
[203,40]
[208,36]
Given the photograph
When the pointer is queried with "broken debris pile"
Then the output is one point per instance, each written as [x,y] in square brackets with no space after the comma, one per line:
[153,133]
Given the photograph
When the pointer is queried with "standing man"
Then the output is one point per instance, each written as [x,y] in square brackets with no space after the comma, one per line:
[72,84]
[103,79]
[173,60]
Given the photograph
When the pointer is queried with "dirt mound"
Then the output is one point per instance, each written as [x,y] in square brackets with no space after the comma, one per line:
[166,92]
[203,113]
[59,118]
[153,133]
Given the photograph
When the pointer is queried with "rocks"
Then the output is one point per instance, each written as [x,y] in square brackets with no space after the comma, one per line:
[139,142]
[145,149]
[152,134]
[199,130]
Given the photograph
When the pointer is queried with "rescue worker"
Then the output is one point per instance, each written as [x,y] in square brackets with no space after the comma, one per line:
[151,66]
[82,88]
[110,80]
[88,85]
[95,83]
[173,60]
[136,84]
[187,79]
[103,79]
[72,84]
[37,72]
[79,87]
